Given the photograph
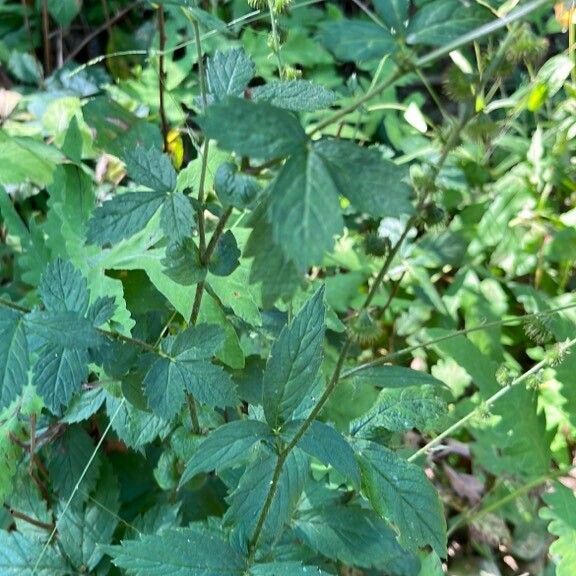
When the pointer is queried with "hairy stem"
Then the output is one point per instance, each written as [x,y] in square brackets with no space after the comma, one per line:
[488,403]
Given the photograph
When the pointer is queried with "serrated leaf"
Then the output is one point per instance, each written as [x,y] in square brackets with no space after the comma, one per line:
[304,209]
[354,41]
[62,287]
[357,537]
[192,551]
[327,445]
[10,452]
[294,361]
[71,454]
[402,494]
[182,263]
[233,188]
[226,256]
[177,217]
[561,511]
[101,310]
[247,500]
[228,73]
[72,146]
[188,368]
[372,183]
[394,13]
[442,21]
[58,374]
[14,360]
[296,95]
[122,217]
[19,555]
[253,129]
[226,446]
[86,527]
[399,410]
[84,406]
[64,329]
[150,168]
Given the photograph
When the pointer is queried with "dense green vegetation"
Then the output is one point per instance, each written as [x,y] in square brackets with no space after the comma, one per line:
[286,287]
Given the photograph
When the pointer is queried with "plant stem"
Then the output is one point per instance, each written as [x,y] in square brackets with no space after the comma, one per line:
[161,73]
[275,38]
[46,38]
[488,403]
[28,519]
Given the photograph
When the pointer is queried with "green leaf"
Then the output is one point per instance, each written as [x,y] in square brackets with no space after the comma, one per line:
[182,262]
[227,446]
[10,452]
[86,527]
[395,377]
[294,361]
[442,21]
[237,293]
[59,374]
[304,208]
[228,73]
[247,500]
[102,310]
[65,329]
[276,274]
[327,445]
[62,287]
[286,569]
[233,188]
[253,129]
[27,160]
[356,537]
[14,360]
[226,256]
[561,511]
[192,551]
[25,67]
[177,217]
[84,406]
[64,11]
[353,40]
[402,494]
[372,183]
[394,13]
[188,368]
[150,168]
[296,95]
[71,454]
[19,556]
[122,217]
[208,20]
[72,146]
[401,409]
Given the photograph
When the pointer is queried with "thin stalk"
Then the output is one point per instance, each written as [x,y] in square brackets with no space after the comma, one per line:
[28,519]
[275,38]
[46,38]
[486,326]
[475,516]
[488,403]
[162,73]
[193,411]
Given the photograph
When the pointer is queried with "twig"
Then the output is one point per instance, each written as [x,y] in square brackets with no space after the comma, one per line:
[33,521]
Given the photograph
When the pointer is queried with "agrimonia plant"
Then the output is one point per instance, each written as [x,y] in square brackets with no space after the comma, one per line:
[172,386]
